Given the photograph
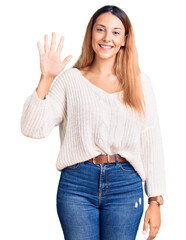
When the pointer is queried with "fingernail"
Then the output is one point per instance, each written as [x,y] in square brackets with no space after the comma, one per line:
[144,232]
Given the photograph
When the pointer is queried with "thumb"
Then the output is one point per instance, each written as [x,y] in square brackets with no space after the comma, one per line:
[145,226]
[66,60]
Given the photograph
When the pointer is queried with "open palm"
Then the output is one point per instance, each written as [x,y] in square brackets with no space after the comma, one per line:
[50,60]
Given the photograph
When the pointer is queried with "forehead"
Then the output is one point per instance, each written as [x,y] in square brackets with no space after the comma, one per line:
[109,21]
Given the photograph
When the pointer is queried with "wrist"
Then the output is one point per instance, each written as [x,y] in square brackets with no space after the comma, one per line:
[44,86]
[47,78]
[154,203]
[156,200]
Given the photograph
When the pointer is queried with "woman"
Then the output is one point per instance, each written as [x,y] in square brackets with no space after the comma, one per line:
[109,131]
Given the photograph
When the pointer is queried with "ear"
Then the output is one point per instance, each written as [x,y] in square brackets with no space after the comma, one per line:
[124,41]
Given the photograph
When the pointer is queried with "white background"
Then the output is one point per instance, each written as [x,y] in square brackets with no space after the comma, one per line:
[28,176]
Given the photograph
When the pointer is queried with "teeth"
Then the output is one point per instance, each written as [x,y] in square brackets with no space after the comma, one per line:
[105,46]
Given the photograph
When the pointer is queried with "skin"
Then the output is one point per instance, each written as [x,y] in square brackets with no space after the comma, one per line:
[102,68]
[50,64]
[104,60]
[153,218]
[101,72]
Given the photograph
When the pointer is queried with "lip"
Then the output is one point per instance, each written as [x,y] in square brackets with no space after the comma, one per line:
[106,46]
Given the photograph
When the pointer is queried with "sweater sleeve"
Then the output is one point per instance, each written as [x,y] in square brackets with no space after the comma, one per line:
[152,153]
[40,116]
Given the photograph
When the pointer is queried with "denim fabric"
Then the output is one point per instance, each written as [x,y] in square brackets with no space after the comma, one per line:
[100,201]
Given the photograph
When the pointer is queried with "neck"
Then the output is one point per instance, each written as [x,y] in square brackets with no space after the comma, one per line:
[103,66]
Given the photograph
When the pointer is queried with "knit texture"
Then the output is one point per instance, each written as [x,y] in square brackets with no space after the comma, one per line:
[93,122]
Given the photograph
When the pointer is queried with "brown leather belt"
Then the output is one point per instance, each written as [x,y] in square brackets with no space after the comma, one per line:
[106,159]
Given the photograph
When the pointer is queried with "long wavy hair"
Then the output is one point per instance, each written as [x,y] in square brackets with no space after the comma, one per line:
[126,66]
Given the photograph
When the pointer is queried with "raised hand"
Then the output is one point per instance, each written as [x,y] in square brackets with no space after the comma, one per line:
[50,64]
[50,60]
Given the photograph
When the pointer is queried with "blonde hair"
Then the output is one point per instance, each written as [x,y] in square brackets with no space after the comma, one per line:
[126,66]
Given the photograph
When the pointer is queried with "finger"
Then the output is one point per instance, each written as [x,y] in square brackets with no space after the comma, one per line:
[53,42]
[46,46]
[145,226]
[60,46]
[66,60]
[39,48]
[153,232]
[149,238]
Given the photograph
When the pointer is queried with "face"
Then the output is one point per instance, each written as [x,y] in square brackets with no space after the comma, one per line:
[108,31]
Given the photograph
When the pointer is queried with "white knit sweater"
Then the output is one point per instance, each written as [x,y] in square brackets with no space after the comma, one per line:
[93,122]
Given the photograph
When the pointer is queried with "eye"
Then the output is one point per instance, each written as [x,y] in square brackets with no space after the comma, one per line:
[99,29]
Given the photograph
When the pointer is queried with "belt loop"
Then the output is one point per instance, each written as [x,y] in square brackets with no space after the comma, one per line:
[108,158]
[94,160]
[116,158]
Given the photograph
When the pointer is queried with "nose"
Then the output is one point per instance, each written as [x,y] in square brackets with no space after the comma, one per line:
[106,37]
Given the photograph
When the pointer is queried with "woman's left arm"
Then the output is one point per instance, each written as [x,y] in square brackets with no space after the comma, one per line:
[152,156]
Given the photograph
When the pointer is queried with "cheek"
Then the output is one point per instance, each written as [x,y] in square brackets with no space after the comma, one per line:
[94,44]
[95,41]
[118,41]
[96,37]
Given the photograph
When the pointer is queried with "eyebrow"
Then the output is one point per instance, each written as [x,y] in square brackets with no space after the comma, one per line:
[104,26]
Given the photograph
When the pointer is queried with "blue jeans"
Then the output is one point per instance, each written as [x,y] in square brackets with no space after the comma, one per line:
[100,201]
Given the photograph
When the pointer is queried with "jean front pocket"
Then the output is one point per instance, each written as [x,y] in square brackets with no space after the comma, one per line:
[126,167]
[74,166]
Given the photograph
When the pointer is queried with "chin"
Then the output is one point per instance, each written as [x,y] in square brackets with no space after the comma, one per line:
[105,57]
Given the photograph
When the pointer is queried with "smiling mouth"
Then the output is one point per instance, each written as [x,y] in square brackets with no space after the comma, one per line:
[105,47]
